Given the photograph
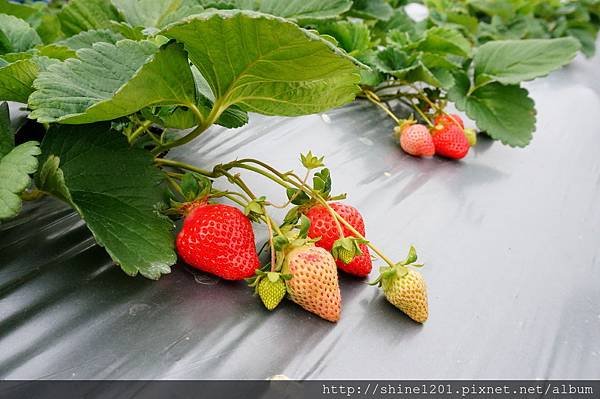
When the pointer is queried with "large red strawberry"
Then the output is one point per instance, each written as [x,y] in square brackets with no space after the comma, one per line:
[218,239]
[450,141]
[416,140]
[314,281]
[322,224]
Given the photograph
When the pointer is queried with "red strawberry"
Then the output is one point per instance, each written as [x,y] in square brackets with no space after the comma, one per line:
[451,119]
[416,140]
[323,225]
[218,239]
[450,141]
[314,283]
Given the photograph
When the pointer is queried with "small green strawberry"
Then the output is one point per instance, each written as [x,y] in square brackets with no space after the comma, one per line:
[271,292]
[405,288]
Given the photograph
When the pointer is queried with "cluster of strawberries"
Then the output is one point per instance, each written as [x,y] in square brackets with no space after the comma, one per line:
[219,239]
[447,137]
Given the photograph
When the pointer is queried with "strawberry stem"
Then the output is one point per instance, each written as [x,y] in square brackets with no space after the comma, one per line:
[203,125]
[375,100]
[271,244]
[285,180]
[139,131]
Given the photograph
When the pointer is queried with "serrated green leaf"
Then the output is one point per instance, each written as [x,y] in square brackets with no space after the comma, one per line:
[15,168]
[514,61]
[391,59]
[372,9]
[304,9]
[289,9]
[88,38]
[77,91]
[445,41]
[399,21]
[156,13]
[48,27]
[506,113]
[503,9]
[266,64]
[17,35]
[55,51]
[51,179]
[128,31]
[16,78]
[7,136]
[458,92]
[587,38]
[115,189]
[354,37]
[22,11]
[82,15]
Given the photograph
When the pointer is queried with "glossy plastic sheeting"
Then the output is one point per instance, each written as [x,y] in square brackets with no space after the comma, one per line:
[510,238]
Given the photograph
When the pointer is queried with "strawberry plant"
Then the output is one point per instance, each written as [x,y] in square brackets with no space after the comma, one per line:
[114,85]
[472,53]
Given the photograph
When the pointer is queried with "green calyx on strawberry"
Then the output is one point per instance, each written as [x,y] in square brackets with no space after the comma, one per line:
[324,229]
[347,248]
[194,190]
[405,288]
[310,161]
[471,135]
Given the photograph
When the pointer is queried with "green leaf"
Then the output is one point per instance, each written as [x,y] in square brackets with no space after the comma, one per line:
[445,41]
[132,76]
[504,9]
[304,9]
[88,38]
[17,35]
[7,136]
[16,78]
[156,13]
[354,37]
[15,168]
[82,15]
[48,27]
[266,64]
[586,37]
[372,9]
[514,61]
[289,9]
[51,178]
[56,51]
[458,92]
[22,11]
[506,113]
[115,189]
